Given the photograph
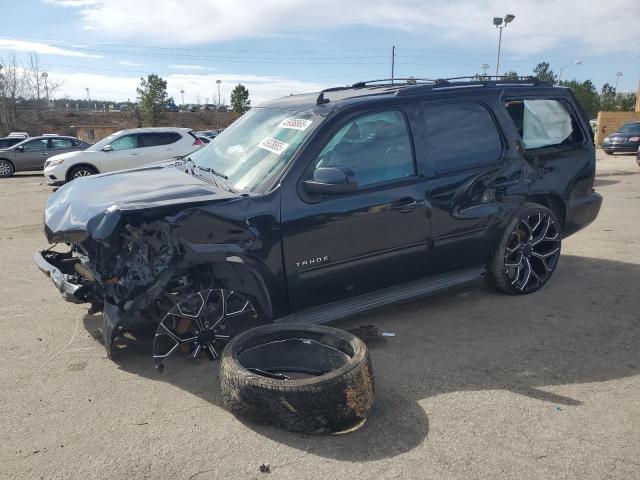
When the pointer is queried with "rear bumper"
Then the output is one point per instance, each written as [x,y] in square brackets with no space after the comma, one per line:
[581,213]
[71,292]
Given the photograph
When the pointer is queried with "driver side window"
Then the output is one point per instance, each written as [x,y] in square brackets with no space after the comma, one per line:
[376,147]
[125,143]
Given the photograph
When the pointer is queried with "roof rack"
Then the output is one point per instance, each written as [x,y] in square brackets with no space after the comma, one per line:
[411,85]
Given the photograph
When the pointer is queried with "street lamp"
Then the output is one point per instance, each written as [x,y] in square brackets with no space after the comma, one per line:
[618,75]
[182,93]
[46,86]
[575,62]
[501,23]
[218,82]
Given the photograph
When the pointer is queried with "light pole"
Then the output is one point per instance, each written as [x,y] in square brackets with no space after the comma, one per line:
[46,87]
[182,93]
[218,82]
[618,75]
[575,62]
[501,23]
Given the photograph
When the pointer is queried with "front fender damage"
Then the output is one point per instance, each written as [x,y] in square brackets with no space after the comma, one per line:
[140,267]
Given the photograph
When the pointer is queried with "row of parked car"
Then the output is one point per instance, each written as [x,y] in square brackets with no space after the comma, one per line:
[65,158]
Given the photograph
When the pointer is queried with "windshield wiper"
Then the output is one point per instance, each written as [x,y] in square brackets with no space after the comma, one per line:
[211,170]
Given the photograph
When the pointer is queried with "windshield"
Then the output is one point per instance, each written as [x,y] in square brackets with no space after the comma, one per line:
[103,143]
[255,148]
[630,128]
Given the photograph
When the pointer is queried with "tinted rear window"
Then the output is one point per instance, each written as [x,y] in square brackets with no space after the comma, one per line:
[159,138]
[461,135]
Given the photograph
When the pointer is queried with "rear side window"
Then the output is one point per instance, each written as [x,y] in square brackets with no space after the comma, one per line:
[461,135]
[543,123]
[61,143]
[159,138]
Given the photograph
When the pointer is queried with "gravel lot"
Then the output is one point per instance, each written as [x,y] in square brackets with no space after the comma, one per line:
[474,385]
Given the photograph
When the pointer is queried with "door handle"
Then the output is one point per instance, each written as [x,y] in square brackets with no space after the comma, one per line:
[405,205]
[44,153]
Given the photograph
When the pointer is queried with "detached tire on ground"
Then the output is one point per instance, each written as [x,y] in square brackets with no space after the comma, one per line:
[307,379]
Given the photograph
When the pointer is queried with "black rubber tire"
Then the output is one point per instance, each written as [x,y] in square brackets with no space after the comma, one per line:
[10,170]
[337,401]
[496,275]
[72,173]
[608,153]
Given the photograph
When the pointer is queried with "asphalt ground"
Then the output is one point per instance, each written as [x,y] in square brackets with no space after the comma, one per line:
[475,384]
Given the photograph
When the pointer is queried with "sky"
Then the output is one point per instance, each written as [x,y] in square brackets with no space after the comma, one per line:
[279,47]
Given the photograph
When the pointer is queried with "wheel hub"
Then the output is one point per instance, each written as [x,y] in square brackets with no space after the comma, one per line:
[532,251]
[199,322]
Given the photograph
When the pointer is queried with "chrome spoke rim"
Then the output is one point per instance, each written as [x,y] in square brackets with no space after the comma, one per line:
[5,169]
[532,251]
[198,323]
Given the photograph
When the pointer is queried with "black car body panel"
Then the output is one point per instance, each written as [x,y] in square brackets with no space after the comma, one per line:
[137,234]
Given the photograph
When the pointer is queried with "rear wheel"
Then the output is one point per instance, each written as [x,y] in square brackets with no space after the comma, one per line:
[81,171]
[6,168]
[528,252]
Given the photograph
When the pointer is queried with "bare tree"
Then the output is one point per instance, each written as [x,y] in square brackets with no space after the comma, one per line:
[37,81]
[11,89]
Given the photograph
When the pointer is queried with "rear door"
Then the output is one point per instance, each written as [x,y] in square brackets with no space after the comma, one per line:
[466,153]
[61,145]
[158,146]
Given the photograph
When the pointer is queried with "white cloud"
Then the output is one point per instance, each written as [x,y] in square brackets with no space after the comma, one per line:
[539,24]
[129,63]
[121,87]
[41,48]
[184,66]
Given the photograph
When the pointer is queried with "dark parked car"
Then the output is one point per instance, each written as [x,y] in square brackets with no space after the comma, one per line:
[30,154]
[625,139]
[318,206]
[7,142]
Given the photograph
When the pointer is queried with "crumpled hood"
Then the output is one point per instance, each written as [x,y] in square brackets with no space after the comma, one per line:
[91,206]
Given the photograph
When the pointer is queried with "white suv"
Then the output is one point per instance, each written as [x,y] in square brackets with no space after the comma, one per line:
[120,151]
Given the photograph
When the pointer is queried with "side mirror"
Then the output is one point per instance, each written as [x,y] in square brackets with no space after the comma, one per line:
[107,148]
[331,181]
[20,148]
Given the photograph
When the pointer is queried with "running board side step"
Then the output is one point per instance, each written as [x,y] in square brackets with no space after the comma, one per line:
[369,301]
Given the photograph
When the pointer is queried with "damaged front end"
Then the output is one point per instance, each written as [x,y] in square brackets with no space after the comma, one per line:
[134,258]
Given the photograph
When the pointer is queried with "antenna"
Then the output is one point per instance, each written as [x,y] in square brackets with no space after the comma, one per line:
[321,100]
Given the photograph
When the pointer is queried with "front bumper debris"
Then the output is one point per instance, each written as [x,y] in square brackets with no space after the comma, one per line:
[71,292]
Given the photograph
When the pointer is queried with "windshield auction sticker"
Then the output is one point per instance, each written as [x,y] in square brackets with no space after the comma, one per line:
[273,145]
[296,123]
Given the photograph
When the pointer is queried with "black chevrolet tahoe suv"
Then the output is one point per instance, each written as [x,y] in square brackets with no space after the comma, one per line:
[314,207]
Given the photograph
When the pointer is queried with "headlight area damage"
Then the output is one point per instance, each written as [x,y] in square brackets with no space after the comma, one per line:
[135,268]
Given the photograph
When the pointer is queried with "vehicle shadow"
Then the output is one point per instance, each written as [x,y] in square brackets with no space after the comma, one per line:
[582,327]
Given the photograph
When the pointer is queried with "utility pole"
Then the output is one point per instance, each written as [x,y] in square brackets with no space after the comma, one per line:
[393,62]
